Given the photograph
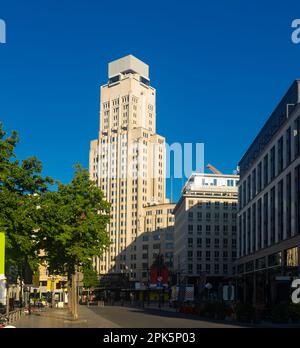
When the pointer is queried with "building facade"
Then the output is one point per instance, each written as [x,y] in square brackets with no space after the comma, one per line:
[205,229]
[269,206]
[127,161]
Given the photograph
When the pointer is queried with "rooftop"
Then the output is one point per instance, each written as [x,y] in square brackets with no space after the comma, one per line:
[128,64]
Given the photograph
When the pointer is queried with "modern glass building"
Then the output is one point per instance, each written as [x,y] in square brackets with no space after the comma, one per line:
[269,207]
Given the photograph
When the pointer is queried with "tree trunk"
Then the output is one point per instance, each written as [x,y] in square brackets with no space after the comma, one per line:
[74,296]
[70,295]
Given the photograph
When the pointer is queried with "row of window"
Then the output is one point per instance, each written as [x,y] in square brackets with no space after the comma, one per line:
[258,223]
[208,254]
[273,163]
[207,268]
[209,228]
[209,204]
[208,216]
[198,242]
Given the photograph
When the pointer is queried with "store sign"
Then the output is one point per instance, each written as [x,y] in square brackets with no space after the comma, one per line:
[159,277]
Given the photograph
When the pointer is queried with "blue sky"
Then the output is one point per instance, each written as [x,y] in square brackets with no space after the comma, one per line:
[219,69]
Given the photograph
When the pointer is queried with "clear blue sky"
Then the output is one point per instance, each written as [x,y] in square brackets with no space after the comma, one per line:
[219,68]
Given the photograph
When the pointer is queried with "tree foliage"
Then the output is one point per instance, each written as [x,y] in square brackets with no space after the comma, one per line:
[90,278]
[72,224]
[20,183]
[64,227]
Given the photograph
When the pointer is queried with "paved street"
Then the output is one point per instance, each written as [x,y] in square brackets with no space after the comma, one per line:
[114,317]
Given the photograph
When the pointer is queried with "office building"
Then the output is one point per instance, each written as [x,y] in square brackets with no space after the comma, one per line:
[205,230]
[127,161]
[269,207]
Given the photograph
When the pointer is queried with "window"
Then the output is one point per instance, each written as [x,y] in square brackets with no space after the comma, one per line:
[254,183]
[292,257]
[114,79]
[259,177]
[288,146]
[169,236]
[296,138]
[272,160]
[199,242]
[248,188]
[265,208]
[259,223]
[280,155]
[266,170]
[288,205]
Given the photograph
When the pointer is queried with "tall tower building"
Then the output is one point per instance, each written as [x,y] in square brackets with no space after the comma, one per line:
[128,159]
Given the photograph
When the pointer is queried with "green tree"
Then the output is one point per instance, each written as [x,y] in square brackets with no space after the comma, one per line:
[72,224]
[20,184]
[90,278]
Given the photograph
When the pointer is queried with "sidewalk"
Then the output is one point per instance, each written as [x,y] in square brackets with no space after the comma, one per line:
[60,318]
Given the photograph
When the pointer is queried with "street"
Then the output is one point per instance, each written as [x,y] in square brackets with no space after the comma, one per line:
[117,317]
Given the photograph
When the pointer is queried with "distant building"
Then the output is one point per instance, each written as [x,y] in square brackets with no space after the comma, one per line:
[205,229]
[157,239]
[269,206]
